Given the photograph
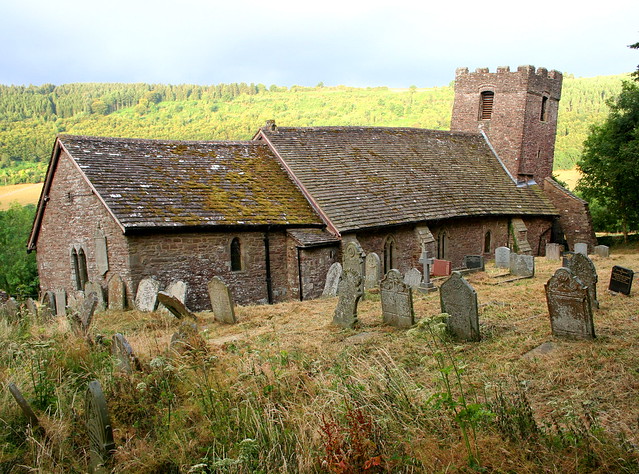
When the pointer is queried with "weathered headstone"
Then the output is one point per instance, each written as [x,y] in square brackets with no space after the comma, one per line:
[442,267]
[81,319]
[121,350]
[353,260]
[221,301]
[502,257]
[459,300]
[101,444]
[602,251]
[75,299]
[397,301]
[174,305]
[24,405]
[101,254]
[474,262]
[32,307]
[10,310]
[569,306]
[582,248]
[522,265]
[116,293]
[427,264]
[582,267]
[48,299]
[413,278]
[95,287]
[177,289]
[146,297]
[332,280]
[60,302]
[621,280]
[187,338]
[349,292]
[553,251]
[373,265]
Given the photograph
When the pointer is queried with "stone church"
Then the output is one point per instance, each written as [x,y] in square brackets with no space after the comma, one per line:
[270,215]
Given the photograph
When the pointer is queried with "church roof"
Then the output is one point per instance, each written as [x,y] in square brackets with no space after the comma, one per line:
[366,177]
[160,184]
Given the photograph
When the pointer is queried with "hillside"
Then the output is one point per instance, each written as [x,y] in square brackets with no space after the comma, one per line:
[30,117]
[286,391]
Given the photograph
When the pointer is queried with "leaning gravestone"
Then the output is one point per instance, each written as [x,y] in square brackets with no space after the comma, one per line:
[569,306]
[187,338]
[81,319]
[621,280]
[522,265]
[48,299]
[60,302]
[332,280]
[221,301]
[147,296]
[178,290]
[553,251]
[602,251]
[459,300]
[95,287]
[474,262]
[373,265]
[10,310]
[353,260]
[397,301]
[413,278]
[349,292]
[173,305]
[101,444]
[583,268]
[24,405]
[32,307]
[582,248]
[116,293]
[502,257]
[121,350]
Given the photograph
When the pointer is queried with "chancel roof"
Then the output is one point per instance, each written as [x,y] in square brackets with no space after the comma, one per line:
[365,177]
[160,184]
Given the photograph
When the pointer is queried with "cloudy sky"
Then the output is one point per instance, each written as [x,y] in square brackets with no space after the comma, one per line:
[285,42]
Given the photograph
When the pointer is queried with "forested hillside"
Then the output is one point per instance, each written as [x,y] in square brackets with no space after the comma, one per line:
[31,117]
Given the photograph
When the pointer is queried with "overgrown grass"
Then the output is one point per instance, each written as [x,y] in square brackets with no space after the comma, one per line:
[285,391]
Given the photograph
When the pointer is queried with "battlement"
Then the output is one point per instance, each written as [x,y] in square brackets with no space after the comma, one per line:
[528,70]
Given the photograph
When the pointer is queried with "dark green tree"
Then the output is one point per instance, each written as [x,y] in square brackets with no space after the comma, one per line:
[18,269]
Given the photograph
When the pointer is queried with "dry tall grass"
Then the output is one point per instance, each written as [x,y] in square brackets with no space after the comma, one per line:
[23,194]
[286,391]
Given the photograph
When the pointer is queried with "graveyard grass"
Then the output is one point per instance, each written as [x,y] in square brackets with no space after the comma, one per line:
[284,390]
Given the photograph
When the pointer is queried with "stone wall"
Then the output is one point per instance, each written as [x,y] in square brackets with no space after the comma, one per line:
[575,219]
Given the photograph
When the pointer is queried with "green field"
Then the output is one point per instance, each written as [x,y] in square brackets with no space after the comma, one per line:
[23,194]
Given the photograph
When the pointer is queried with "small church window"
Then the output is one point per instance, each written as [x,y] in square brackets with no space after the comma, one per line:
[441,245]
[544,109]
[487,242]
[486,105]
[389,254]
[236,255]
[80,272]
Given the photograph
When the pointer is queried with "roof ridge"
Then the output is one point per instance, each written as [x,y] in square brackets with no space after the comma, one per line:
[62,137]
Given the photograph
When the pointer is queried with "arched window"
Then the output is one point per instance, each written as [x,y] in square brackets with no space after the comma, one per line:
[487,242]
[544,109]
[76,269]
[441,245]
[236,255]
[389,254]
[80,273]
[486,105]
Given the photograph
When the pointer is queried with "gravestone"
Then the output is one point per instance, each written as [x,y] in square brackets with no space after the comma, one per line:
[583,268]
[121,350]
[95,287]
[24,405]
[353,260]
[502,257]
[101,254]
[474,262]
[442,267]
[75,299]
[48,299]
[116,293]
[146,297]
[569,306]
[60,302]
[413,278]
[582,248]
[332,280]
[10,310]
[602,251]
[177,289]
[221,301]
[522,265]
[621,280]
[32,307]
[81,319]
[349,291]
[553,251]
[101,444]
[566,258]
[187,338]
[459,300]
[427,264]
[397,301]
[174,305]
[373,265]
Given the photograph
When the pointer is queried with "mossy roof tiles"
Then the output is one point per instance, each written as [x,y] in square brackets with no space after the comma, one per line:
[154,183]
[371,177]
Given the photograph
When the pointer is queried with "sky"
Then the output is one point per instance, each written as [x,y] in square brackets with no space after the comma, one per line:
[285,42]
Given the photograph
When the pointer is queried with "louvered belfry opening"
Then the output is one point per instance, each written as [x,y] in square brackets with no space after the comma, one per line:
[486,105]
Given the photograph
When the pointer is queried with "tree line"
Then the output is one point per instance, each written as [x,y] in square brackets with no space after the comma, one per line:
[31,116]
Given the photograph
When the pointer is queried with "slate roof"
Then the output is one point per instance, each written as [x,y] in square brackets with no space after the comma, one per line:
[371,177]
[160,184]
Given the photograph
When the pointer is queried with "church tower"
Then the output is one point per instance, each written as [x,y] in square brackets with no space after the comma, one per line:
[517,111]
